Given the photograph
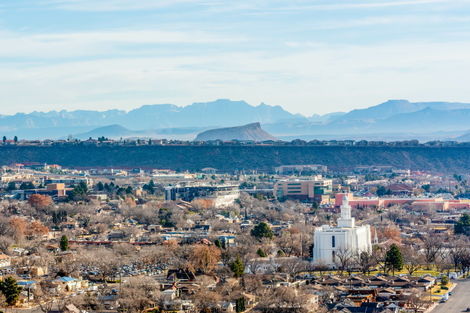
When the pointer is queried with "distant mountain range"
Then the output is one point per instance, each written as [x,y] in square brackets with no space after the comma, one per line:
[216,113]
[391,120]
[464,137]
[249,132]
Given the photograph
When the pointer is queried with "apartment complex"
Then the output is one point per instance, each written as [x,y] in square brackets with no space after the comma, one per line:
[317,189]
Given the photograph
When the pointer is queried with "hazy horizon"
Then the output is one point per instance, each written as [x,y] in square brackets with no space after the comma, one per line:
[180,106]
[310,57]
[210,101]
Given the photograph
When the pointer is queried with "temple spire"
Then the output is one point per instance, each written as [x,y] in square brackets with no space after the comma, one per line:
[345,209]
[345,219]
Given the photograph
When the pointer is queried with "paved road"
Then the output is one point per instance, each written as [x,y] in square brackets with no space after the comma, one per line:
[459,301]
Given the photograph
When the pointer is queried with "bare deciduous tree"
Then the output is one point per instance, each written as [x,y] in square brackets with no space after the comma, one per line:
[343,260]
[138,294]
[205,258]
[412,260]
[365,261]
[432,247]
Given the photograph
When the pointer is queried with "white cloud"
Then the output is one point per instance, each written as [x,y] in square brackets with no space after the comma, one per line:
[64,45]
[283,61]
[119,5]
[299,6]
[317,80]
[374,4]
[259,6]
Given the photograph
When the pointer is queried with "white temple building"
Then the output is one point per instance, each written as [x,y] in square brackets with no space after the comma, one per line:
[346,237]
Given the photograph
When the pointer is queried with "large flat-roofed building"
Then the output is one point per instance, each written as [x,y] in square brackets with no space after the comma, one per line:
[68,181]
[301,169]
[315,189]
[56,191]
[222,195]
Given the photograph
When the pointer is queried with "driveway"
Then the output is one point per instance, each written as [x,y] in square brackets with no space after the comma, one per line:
[459,301]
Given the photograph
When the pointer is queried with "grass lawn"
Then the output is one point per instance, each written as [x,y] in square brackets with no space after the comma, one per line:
[437,291]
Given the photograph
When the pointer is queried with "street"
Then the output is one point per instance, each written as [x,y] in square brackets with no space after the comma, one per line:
[459,301]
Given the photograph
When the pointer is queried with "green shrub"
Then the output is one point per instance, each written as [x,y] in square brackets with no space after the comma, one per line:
[444,280]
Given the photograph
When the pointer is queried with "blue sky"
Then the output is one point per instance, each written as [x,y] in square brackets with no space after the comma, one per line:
[307,56]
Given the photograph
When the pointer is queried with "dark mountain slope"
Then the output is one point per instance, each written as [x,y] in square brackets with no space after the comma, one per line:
[231,158]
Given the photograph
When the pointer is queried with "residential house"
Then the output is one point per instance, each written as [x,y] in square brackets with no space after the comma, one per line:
[5,261]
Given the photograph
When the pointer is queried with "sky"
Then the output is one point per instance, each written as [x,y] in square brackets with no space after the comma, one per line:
[310,57]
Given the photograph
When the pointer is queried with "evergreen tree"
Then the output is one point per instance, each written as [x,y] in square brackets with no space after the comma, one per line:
[262,230]
[4,139]
[240,305]
[100,186]
[27,186]
[59,216]
[426,187]
[121,191]
[11,186]
[219,244]
[394,259]
[463,224]
[10,290]
[238,267]
[382,191]
[150,187]
[64,243]
[165,217]
[15,139]
[261,253]
[79,192]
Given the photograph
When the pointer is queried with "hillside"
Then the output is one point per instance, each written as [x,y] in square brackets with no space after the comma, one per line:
[249,132]
[231,158]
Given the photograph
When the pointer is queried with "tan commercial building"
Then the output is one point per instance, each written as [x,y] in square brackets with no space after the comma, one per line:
[59,188]
[317,189]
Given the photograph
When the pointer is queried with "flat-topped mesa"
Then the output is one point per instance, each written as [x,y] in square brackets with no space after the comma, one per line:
[248,132]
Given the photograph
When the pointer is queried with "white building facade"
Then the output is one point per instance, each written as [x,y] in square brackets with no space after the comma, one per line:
[345,238]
